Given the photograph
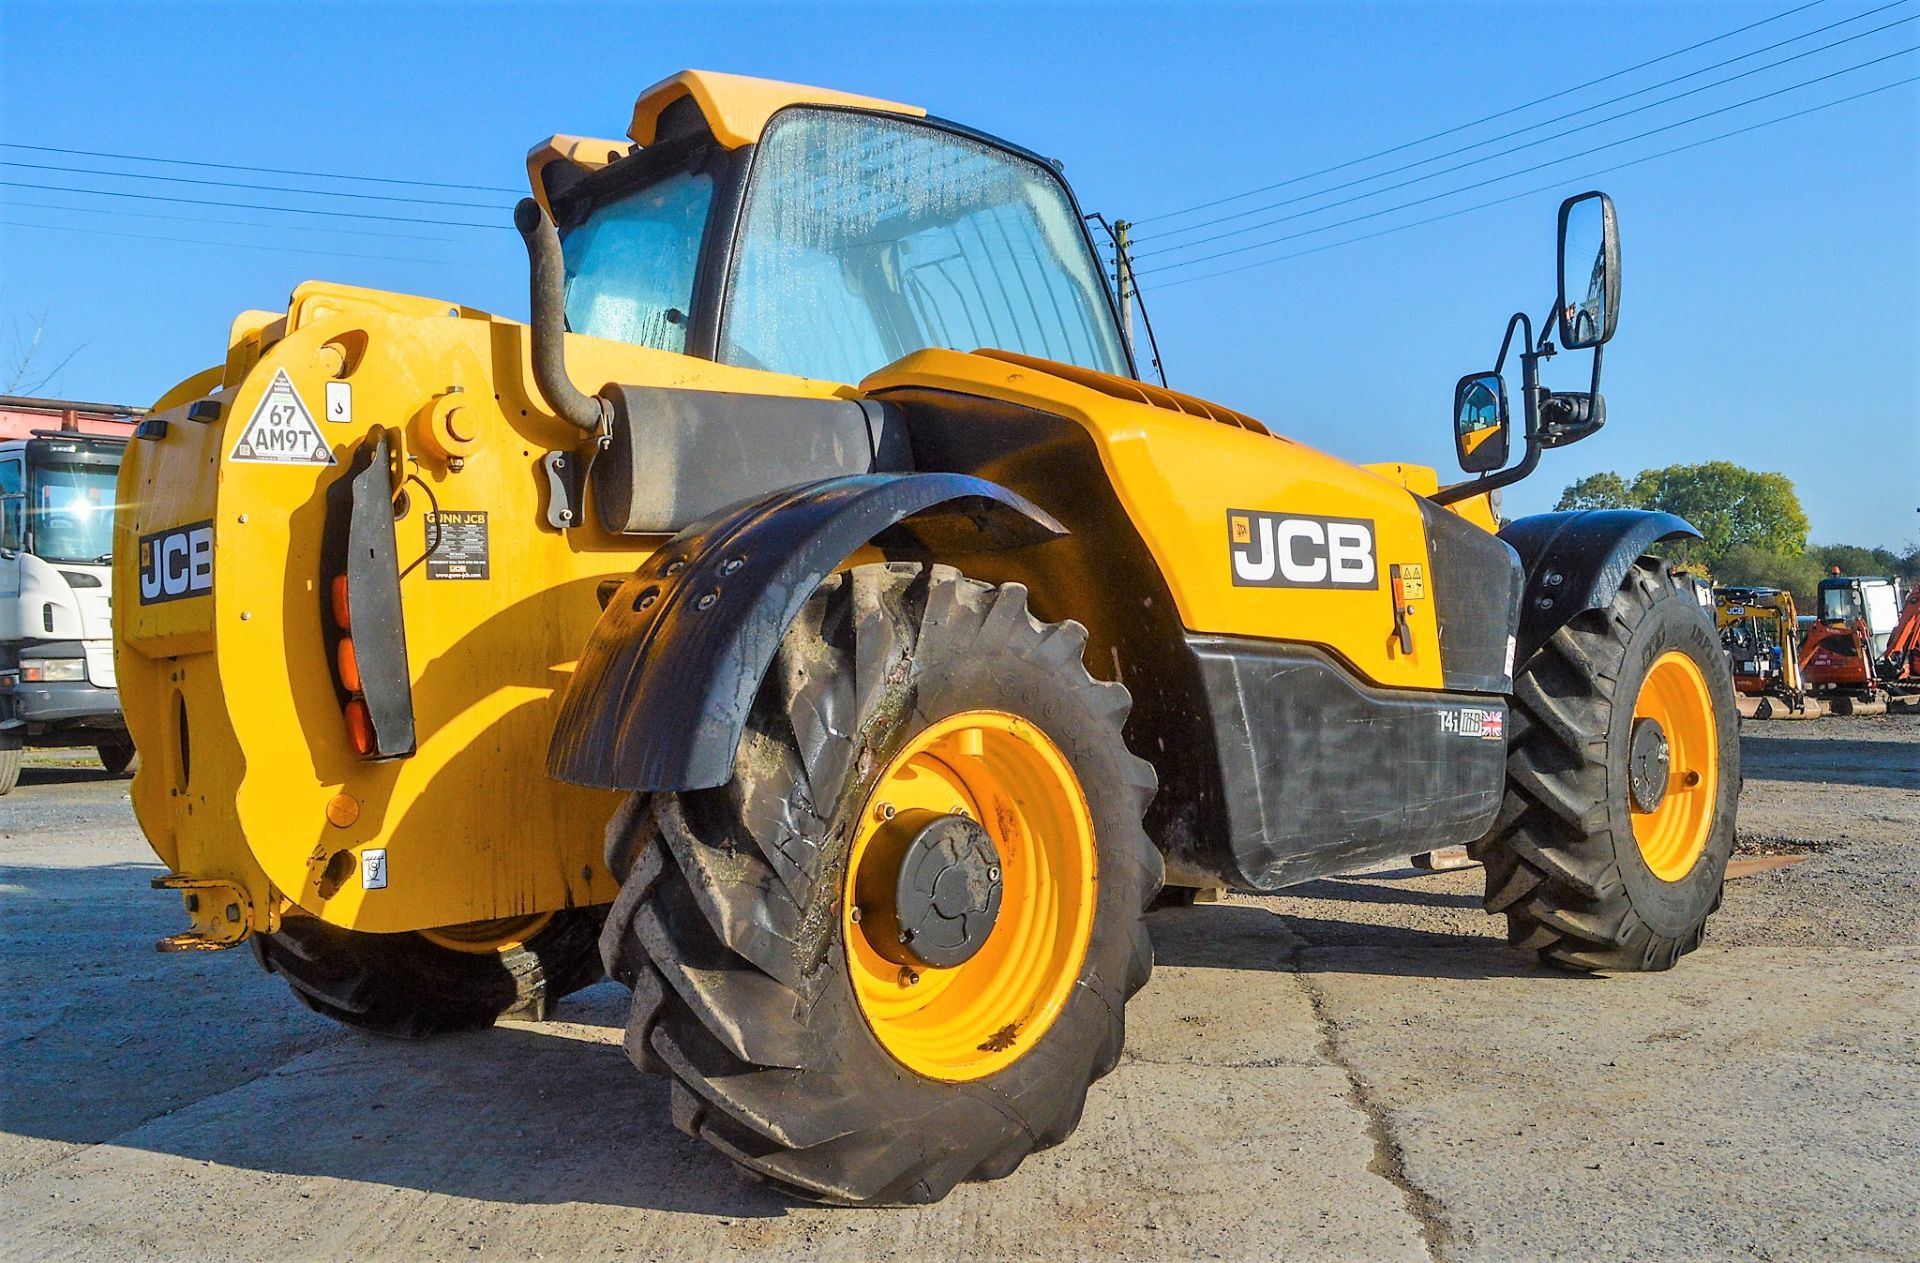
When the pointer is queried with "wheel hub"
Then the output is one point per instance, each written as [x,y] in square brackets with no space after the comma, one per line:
[944,898]
[1649,764]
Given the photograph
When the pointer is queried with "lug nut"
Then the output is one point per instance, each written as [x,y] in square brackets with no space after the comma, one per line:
[908,977]
[885,811]
[854,916]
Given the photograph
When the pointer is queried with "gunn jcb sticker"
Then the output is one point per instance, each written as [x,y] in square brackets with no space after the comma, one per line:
[1294,550]
[176,563]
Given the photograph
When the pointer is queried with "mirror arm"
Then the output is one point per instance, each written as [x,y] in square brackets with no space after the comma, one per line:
[1530,396]
[1519,321]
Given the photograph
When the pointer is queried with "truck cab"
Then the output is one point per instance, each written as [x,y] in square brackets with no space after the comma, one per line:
[57,681]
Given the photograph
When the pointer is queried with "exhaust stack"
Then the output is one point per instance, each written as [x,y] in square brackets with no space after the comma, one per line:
[547,291]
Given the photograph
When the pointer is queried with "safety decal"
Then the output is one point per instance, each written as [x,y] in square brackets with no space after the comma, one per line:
[1469,721]
[457,544]
[281,431]
[340,402]
[373,869]
[1279,550]
[176,563]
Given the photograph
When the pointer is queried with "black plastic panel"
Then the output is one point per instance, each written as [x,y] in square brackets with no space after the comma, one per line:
[663,687]
[679,455]
[1323,774]
[371,564]
[1576,561]
[1474,584]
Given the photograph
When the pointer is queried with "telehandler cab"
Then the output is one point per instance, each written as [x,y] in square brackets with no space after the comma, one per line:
[849,692]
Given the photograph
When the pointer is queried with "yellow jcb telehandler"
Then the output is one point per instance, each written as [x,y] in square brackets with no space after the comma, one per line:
[845,691]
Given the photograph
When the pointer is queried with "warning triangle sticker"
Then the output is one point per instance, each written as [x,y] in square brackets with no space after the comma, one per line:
[281,430]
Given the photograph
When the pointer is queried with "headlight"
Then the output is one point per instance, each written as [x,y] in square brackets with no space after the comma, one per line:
[53,670]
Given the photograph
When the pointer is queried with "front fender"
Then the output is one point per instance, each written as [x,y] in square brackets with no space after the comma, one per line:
[661,694]
[1576,561]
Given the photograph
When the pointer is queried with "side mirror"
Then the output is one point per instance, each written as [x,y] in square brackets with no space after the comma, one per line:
[12,508]
[1480,422]
[1589,302]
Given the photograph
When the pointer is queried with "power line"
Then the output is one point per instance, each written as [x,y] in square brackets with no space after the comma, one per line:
[258,188]
[1612,144]
[243,245]
[1527,105]
[235,223]
[1558,184]
[229,166]
[1514,149]
[283,210]
[1548,122]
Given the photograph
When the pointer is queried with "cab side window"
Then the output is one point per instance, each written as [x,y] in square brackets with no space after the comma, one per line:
[13,504]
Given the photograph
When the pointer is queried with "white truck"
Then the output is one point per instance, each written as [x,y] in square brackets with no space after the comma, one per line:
[57,685]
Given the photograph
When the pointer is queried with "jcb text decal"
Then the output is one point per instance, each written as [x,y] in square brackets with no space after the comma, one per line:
[1280,550]
[176,563]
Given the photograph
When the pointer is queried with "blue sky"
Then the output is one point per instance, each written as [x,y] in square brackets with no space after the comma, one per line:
[1771,305]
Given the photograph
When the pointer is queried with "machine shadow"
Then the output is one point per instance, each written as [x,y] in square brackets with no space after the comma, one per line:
[1240,937]
[1340,890]
[1876,764]
[32,774]
[206,1057]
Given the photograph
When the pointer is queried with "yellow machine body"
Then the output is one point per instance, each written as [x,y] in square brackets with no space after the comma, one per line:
[249,785]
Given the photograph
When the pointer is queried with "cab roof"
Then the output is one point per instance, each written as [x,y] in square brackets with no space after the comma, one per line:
[737,107]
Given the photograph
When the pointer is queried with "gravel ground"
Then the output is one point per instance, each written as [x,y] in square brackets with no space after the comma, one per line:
[1357,1069]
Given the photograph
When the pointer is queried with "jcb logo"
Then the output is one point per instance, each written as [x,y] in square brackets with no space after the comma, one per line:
[176,563]
[1273,550]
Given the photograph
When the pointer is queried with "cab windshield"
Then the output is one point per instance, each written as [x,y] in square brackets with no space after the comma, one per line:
[70,512]
[1840,605]
[860,239]
[866,238]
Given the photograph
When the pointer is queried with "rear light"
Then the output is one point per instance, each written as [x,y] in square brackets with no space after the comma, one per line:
[347,666]
[359,726]
[346,671]
[337,602]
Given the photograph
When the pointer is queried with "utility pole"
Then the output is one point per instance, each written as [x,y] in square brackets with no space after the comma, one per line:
[1123,275]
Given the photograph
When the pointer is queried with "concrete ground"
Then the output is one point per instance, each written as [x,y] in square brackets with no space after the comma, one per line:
[1357,1070]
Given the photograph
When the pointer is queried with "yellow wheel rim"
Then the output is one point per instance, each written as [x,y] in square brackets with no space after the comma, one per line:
[980,1016]
[1672,835]
[488,938]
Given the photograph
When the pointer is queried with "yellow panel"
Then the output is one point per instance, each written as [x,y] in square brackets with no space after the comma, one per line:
[487,658]
[584,152]
[737,107]
[1179,476]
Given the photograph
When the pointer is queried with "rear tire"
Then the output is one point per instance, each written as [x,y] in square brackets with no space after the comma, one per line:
[407,987]
[735,926]
[1579,886]
[12,753]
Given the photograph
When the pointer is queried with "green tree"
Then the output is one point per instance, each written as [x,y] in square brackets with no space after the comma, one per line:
[1854,560]
[1797,573]
[1730,506]
[1604,490]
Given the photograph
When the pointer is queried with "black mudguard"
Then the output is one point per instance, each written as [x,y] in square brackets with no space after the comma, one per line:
[1576,561]
[663,687]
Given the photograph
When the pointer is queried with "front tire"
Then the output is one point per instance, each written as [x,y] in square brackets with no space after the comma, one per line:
[764,953]
[416,984]
[1622,778]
